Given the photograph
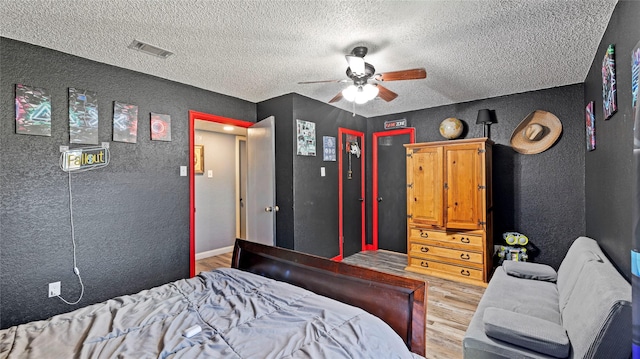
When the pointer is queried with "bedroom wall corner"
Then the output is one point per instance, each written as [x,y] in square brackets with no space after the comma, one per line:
[316,197]
[131,218]
[609,168]
[539,195]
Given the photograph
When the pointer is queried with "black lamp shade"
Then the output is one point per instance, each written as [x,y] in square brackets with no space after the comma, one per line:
[484,117]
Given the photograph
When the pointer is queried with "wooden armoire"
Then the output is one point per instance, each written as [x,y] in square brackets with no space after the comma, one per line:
[449,209]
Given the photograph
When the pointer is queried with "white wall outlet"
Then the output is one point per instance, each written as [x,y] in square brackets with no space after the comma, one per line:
[322,172]
[183,171]
[210,173]
[54,289]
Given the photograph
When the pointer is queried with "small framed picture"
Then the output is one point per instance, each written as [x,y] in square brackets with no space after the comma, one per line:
[198,159]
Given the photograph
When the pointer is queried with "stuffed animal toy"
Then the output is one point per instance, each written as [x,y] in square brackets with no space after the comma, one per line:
[515,251]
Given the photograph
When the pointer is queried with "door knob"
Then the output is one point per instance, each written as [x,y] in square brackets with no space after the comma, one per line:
[276,208]
[379,199]
[361,199]
[272,209]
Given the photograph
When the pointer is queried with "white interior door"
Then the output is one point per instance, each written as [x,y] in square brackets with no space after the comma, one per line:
[261,182]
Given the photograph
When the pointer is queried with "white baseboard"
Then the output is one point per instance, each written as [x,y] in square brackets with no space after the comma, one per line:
[214,252]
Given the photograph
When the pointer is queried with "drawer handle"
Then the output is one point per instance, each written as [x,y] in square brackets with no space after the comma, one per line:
[465,240]
[424,249]
[464,256]
[465,272]
[424,264]
[424,234]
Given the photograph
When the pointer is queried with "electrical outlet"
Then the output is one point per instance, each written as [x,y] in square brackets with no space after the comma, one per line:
[54,289]
[183,171]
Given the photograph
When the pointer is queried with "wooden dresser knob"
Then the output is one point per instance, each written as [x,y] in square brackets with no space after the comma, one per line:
[465,272]
[424,234]
[464,256]
[424,249]
[464,240]
[424,264]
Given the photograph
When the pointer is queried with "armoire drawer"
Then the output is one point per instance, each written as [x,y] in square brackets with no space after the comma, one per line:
[451,269]
[461,256]
[460,240]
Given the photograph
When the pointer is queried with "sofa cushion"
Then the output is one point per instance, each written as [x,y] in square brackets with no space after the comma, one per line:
[526,331]
[582,250]
[526,270]
[597,316]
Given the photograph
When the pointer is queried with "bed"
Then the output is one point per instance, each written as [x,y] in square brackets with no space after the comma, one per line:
[272,303]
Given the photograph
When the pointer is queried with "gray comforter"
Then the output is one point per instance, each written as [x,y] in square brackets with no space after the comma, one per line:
[235,314]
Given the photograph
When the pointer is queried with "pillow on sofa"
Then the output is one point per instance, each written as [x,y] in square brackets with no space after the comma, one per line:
[528,270]
[526,331]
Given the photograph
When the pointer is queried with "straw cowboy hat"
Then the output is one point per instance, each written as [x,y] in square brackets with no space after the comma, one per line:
[536,133]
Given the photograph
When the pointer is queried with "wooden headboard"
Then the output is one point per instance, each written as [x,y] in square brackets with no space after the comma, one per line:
[401,302]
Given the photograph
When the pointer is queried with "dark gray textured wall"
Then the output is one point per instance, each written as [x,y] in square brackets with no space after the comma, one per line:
[609,169]
[131,218]
[308,217]
[316,198]
[539,195]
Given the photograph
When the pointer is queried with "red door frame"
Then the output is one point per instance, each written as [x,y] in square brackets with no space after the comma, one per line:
[193,116]
[346,131]
[374,199]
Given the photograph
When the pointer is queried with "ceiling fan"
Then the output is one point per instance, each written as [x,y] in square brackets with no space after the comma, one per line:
[361,72]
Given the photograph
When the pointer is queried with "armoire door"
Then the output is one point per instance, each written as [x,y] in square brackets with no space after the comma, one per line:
[464,186]
[425,201]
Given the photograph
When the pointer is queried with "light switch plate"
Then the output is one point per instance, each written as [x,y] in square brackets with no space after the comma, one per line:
[322,172]
[210,173]
[183,171]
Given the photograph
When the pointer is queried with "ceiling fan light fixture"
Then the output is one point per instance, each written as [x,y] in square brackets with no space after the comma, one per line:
[371,91]
[349,93]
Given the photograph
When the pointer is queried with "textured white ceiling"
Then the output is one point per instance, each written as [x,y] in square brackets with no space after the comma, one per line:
[256,50]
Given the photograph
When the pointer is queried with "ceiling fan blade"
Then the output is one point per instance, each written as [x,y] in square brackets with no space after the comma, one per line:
[321,82]
[386,94]
[336,98]
[413,74]
[356,64]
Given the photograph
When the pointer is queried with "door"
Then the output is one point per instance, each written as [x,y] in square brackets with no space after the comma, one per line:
[389,200]
[261,179]
[464,186]
[351,191]
[241,187]
[425,186]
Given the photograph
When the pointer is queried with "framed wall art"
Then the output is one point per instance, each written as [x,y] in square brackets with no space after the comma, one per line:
[125,122]
[33,111]
[306,135]
[609,101]
[160,127]
[83,116]
[198,159]
[590,121]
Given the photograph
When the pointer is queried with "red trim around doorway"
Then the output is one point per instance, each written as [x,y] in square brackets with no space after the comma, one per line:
[194,115]
[346,131]
[374,200]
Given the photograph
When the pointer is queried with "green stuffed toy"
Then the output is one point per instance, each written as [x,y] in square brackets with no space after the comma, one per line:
[515,251]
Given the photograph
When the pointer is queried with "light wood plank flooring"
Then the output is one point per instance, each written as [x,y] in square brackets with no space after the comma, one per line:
[450,305]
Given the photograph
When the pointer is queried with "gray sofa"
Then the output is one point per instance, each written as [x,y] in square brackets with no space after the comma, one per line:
[531,311]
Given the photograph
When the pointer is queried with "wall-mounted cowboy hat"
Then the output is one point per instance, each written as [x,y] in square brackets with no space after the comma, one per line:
[536,133]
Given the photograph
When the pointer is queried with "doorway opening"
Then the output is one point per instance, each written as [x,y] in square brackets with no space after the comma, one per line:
[389,196]
[213,120]
[351,193]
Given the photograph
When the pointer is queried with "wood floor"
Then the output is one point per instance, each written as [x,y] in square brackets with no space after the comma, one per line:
[450,304]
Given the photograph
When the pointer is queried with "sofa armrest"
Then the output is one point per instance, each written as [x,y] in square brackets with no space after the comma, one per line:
[526,331]
[526,270]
